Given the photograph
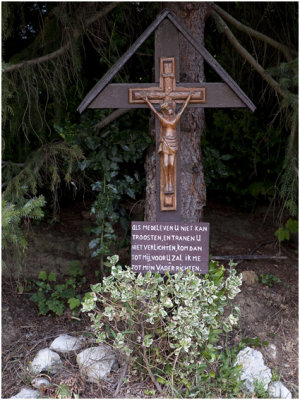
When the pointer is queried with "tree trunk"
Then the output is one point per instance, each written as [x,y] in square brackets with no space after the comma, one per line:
[193,189]
[150,168]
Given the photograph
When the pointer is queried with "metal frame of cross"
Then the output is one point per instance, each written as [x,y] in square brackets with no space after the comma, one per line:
[209,95]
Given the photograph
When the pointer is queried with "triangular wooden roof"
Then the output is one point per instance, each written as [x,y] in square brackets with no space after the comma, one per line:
[166,13]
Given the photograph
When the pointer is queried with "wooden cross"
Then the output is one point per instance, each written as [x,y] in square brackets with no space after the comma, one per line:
[167,91]
[167,87]
[205,94]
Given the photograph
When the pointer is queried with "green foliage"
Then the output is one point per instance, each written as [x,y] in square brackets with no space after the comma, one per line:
[215,166]
[46,92]
[287,75]
[223,381]
[113,158]
[166,326]
[259,389]
[51,297]
[63,392]
[253,342]
[12,216]
[287,186]
[241,164]
[284,233]
[46,166]
[241,157]
[273,175]
[269,279]
[287,183]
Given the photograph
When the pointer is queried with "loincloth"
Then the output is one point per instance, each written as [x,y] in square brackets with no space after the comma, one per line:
[168,145]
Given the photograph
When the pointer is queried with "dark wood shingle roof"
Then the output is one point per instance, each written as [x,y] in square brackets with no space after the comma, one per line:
[93,93]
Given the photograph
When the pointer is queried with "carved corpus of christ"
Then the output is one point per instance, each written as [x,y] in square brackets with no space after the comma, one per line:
[168,146]
[167,95]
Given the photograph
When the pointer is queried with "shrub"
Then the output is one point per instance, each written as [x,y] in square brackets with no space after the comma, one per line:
[168,325]
[51,297]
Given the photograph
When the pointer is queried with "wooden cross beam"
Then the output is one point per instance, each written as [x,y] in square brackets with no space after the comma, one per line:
[167,87]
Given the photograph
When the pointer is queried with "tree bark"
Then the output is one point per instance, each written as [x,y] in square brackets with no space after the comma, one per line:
[192,124]
[150,168]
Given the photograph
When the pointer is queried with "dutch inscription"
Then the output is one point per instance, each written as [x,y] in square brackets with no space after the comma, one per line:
[161,247]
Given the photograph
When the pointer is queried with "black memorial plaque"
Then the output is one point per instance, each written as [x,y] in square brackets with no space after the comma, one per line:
[165,246]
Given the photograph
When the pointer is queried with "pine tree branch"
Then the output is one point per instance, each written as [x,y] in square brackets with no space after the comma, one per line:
[111,117]
[76,34]
[252,32]
[245,54]
[5,163]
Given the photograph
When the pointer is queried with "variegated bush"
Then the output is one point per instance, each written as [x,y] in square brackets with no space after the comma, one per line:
[168,325]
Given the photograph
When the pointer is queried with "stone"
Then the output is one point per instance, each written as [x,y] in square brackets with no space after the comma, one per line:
[249,277]
[96,362]
[39,383]
[272,351]
[82,248]
[65,343]
[27,394]
[45,360]
[253,369]
[277,390]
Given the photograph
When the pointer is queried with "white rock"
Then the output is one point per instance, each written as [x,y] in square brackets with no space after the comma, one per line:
[40,382]
[66,343]
[27,394]
[45,360]
[96,362]
[249,277]
[278,391]
[272,351]
[253,369]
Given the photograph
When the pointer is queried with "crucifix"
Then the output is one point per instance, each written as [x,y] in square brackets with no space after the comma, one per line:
[167,95]
[167,98]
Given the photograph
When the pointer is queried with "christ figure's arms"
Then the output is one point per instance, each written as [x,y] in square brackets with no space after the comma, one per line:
[184,107]
[152,108]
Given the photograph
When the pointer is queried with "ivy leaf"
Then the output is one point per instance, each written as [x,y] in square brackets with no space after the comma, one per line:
[56,306]
[42,275]
[52,277]
[92,143]
[131,193]
[292,225]
[74,303]
[282,234]
[93,243]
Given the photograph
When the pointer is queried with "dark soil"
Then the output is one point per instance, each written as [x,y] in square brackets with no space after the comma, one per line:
[267,313]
